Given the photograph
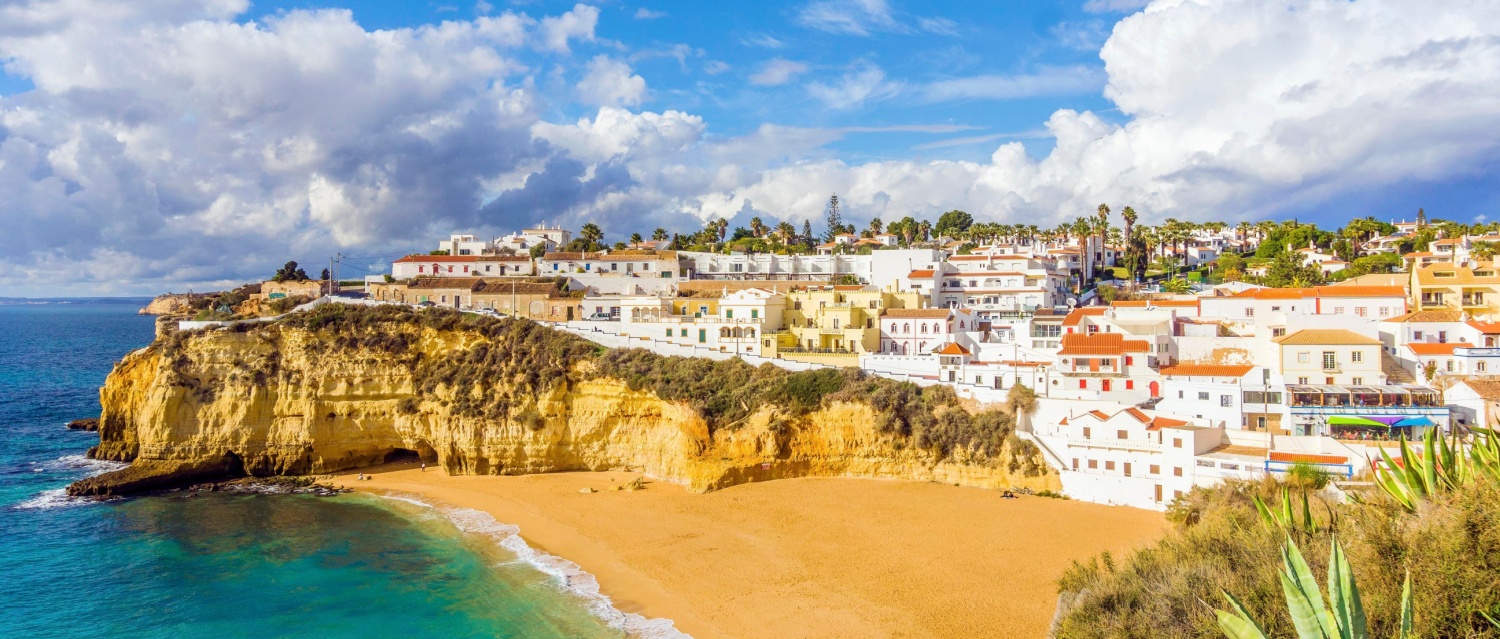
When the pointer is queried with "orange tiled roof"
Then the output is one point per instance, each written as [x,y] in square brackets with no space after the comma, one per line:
[921,273]
[1101,344]
[1158,423]
[1077,315]
[952,348]
[917,312]
[1308,458]
[438,258]
[1428,316]
[1327,336]
[1321,291]
[1487,328]
[1422,348]
[1207,370]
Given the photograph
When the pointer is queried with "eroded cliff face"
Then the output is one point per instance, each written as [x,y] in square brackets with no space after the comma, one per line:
[284,400]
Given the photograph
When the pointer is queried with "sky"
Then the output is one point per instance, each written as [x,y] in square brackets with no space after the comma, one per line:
[168,145]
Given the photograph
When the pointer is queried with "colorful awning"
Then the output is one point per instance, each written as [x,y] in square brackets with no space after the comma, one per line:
[1414,421]
[1350,420]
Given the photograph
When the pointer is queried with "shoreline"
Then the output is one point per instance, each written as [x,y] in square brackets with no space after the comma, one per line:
[809,557]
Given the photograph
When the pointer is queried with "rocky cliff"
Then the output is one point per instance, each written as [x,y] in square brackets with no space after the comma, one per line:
[345,387]
[172,303]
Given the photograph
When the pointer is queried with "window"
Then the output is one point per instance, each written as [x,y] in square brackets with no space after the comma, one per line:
[1385,311]
[1304,357]
[1075,464]
[1449,365]
[1417,335]
[1359,310]
[1176,442]
[728,313]
[1442,337]
[1202,396]
[1357,381]
[1338,310]
[1330,360]
[1109,465]
[1155,469]
[1129,384]
[1278,332]
[702,336]
[1093,464]
[1275,309]
[1302,380]
[1083,383]
[1479,366]
[1357,356]
[1177,472]
[1226,400]
[1086,432]
[754,313]
[1249,312]
[1179,394]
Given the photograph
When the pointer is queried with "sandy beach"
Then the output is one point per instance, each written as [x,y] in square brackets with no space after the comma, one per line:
[801,558]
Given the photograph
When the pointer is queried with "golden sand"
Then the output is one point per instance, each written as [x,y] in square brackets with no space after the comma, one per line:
[802,558]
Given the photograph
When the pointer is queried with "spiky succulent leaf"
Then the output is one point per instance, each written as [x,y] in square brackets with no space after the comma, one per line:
[1406,609]
[1343,595]
[1238,624]
[1303,599]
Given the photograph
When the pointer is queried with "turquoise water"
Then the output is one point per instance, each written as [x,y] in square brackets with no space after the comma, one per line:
[228,566]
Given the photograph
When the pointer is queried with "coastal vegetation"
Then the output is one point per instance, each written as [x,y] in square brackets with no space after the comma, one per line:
[1436,517]
[343,386]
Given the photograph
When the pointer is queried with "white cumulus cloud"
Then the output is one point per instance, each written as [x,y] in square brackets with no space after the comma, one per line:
[609,82]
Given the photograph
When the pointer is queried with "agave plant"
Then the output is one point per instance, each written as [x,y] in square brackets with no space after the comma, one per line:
[1312,618]
[1285,518]
[1441,467]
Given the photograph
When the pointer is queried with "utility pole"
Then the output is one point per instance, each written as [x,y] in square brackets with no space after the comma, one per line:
[330,276]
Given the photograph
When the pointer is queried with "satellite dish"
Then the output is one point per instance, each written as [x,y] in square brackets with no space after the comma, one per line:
[1072,302]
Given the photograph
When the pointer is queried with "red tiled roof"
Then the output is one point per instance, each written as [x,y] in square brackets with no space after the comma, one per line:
[1321,291]
[1158,423]
[920,273]
[952,348]
[1207,370]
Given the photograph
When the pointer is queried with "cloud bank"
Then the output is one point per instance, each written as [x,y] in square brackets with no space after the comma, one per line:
[171,144]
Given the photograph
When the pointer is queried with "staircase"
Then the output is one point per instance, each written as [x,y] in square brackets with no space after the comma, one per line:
[1394,372]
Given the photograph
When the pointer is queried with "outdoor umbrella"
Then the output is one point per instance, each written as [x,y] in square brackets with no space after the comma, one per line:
[1414,421]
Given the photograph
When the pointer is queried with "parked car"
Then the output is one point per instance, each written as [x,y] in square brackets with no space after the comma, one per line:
[601,317]
[425,304]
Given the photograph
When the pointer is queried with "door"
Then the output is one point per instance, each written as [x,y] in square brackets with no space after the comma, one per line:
[1127,469]
[1156,392]
[1104,385]
[1158,492]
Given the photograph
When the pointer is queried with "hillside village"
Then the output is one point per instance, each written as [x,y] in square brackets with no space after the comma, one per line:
[1161,357]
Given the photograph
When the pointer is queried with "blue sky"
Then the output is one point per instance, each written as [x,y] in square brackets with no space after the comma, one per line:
[172,143]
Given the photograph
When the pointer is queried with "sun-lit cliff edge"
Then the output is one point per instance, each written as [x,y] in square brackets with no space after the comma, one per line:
[343,387]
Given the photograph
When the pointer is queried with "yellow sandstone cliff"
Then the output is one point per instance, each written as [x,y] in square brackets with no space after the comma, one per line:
[284,400]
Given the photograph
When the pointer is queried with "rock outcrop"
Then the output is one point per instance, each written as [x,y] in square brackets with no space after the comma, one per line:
[87,423]
[172,303]
[294,399]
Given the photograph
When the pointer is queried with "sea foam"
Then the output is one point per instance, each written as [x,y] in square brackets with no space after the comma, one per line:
[568,575]
[75,465]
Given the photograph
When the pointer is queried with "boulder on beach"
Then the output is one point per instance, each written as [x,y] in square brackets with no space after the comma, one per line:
[89,424]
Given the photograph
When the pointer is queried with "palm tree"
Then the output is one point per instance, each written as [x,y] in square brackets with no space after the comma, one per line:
[757,227]
[635,239]
[659,234]
[721,226]
[876,226]
[1102,214]
[786,231]
[924,228]
[592,235]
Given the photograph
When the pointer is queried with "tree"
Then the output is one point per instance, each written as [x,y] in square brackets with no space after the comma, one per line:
[1230,261]
[835,219]
[807,236]
[1102,214]
[538,250]
[659,234]
[592,236]
[290,273]
[876,226]
[953,223]
[635,239]
[757,227]
[325,275]
[1289,269]
[924,228]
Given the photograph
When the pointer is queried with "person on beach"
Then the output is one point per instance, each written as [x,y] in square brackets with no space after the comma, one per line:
[361,477]
[424,467]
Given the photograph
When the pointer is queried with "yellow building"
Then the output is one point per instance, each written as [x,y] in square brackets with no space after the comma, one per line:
[839,320]
[1458,287]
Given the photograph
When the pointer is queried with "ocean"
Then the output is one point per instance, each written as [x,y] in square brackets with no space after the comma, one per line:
[224,566]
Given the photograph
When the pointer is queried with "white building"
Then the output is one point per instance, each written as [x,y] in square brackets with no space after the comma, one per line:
[881,268]
[918,331]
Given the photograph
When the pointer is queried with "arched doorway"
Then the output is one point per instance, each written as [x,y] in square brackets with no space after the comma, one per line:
[1155,389]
